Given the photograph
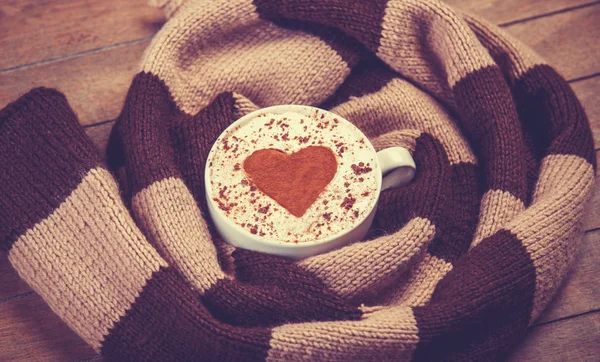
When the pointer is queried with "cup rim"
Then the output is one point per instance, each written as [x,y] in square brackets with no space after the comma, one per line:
[287,245]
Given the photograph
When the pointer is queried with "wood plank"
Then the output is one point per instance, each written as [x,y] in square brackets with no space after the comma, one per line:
[36,30]
[568,41]
[574,339]
[30,331]
[579,292]
[99,135]
[11,285]
[591,218]
[94,84]
[504,11]
[587,91]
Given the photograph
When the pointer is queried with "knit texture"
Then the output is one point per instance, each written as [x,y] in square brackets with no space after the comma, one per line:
[456,266]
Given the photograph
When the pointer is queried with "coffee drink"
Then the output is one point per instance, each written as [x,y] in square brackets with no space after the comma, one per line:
[294,177]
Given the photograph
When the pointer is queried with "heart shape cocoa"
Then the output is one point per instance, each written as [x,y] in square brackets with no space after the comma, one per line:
[293,181]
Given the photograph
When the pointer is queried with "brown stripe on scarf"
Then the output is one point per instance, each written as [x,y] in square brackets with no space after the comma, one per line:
[426,194]
[458,220]
[492,127]
[455,226]
[193,138]
[272,291]
[167,322]
[44,155]
[552,116]
[456,207]
[481,294]
[398,104]
[143,134]
[551,233]
[369,76]
[359,19]
[513,57]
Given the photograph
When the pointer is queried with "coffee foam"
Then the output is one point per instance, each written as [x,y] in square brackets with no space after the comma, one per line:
[344,203]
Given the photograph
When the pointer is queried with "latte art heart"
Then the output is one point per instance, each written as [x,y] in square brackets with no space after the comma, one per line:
[294,181]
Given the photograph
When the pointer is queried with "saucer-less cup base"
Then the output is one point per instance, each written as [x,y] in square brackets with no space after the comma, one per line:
[240,238]
[395,163]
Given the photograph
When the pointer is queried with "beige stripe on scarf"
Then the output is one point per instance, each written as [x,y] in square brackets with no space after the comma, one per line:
[371,265]
[167,212]
[389,334]
[108,259]
[398,105]
[497,208]
[417,32]
[499,43]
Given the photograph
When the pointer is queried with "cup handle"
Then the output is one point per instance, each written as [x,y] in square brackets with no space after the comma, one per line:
[397,167]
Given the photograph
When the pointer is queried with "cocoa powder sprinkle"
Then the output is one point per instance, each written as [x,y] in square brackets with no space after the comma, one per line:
[361,168]
[348,202]
[264,209]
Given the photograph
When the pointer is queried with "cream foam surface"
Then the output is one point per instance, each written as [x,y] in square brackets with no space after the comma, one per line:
[345,202]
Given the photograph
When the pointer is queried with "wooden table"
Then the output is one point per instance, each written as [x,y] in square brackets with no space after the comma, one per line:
[90,50]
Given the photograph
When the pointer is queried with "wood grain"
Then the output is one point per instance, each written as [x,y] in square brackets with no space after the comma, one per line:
[568,41]
[591,218]
[94,84]
[11,284]
[30,331]
[579,292]
[588,91]
[504,11]
[36,30]
[574,339]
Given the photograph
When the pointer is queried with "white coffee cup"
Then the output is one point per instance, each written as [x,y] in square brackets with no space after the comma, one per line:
[397,169]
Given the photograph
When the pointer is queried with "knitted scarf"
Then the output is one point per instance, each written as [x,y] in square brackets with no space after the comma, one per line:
[457,265]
